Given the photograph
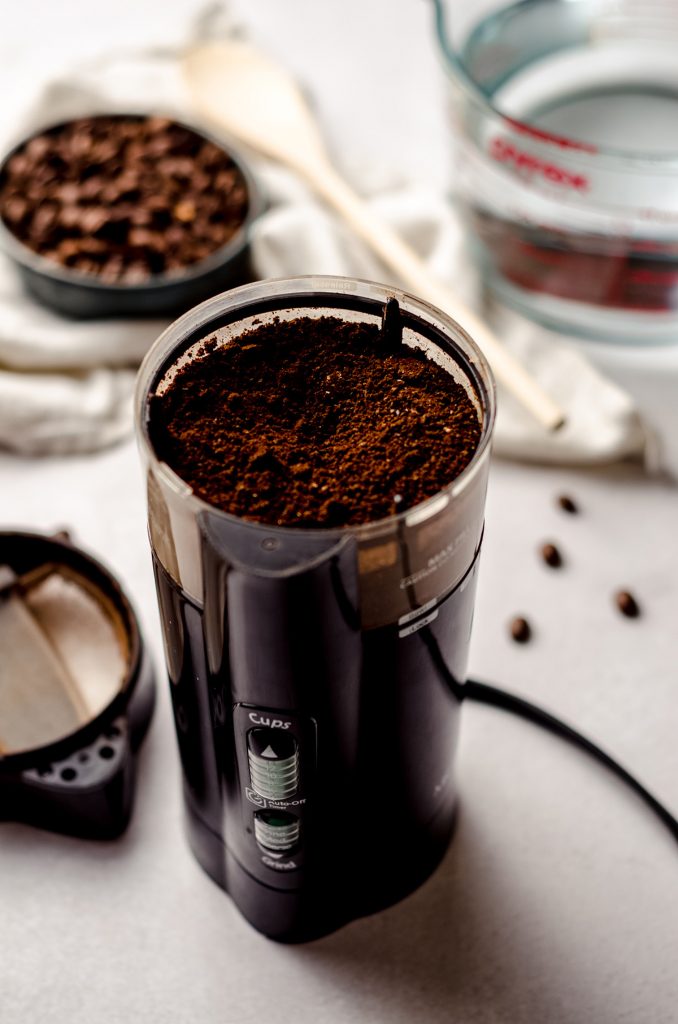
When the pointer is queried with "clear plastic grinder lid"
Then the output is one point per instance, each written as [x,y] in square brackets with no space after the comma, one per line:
[404,561]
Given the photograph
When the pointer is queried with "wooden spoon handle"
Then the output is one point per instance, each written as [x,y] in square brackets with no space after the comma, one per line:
[404,262]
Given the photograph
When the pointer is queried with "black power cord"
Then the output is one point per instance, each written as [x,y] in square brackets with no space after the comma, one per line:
[484,693]
[495,697]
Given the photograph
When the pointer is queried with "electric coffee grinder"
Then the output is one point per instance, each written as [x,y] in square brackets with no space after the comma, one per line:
[316,675]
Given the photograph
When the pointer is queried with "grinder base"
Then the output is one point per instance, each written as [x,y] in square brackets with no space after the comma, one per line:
[295,916]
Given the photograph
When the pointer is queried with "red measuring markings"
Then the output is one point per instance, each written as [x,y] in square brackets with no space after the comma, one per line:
[506,152]
[544,136]
[611,272]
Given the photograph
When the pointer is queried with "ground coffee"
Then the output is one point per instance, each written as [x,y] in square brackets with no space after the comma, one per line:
[314,423]
[124,198]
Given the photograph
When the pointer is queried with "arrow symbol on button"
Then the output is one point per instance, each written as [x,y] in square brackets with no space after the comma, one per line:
[269,752]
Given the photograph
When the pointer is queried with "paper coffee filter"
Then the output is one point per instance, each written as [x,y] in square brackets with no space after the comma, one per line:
[84,636]
[65,657]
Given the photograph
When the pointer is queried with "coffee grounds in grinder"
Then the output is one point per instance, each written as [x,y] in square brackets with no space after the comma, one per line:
[314,422]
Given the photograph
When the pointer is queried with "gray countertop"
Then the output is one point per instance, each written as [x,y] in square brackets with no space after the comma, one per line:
[558,899]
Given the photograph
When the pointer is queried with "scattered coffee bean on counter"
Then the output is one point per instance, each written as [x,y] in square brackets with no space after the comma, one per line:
[551,555]
[521,630]
[627,604]
[314,422]
[567,504]
[123,198]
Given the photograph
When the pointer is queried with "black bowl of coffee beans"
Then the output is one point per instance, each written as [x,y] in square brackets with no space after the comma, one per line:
[126,215]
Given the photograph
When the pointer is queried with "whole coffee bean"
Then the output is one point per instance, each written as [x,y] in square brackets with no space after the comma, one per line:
[552,556]
[567,504]
[521,630]
[185,211]
[15,209]
[627,604]
[92,218]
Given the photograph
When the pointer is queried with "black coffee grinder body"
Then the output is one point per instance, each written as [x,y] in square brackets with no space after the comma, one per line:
[316,674]
[317,756]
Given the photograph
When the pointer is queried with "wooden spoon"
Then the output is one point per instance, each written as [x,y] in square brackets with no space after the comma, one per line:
[258,102]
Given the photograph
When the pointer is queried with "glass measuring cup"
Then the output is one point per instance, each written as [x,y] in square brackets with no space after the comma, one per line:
[566,121]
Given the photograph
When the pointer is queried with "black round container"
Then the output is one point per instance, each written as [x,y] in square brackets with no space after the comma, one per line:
[85,296]
[81,784]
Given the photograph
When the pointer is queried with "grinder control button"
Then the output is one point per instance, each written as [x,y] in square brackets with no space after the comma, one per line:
[273,758]
[277,831]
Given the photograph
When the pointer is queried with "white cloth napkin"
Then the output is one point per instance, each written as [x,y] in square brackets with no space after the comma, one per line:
[66,386]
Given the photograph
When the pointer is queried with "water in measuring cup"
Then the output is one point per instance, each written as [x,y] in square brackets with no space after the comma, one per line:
[611,244]
[640,117]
